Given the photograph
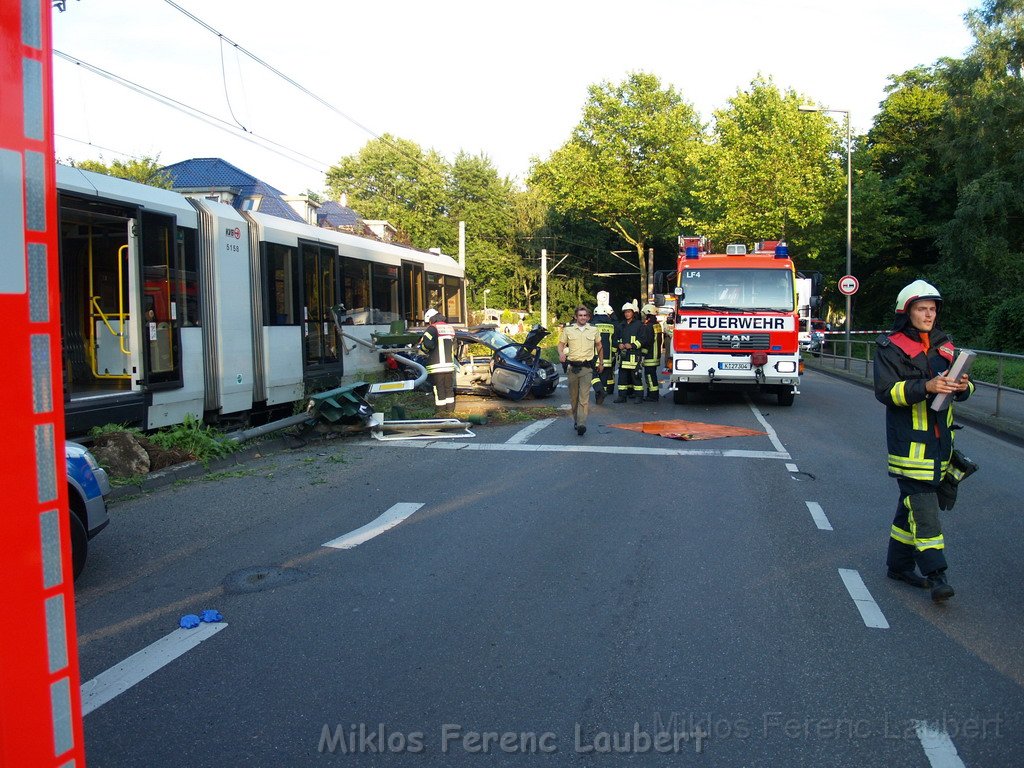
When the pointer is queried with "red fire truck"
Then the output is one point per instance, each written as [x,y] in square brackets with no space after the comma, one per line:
[734,320]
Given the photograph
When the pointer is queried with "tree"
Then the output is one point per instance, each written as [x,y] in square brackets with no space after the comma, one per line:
[982,264]
[630,164]
[144,170]
[769,170]
[395,179]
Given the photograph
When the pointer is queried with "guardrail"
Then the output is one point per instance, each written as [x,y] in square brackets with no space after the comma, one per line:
[861,354]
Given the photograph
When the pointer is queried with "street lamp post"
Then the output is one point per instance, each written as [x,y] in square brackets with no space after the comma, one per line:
[849,212]
[486,291]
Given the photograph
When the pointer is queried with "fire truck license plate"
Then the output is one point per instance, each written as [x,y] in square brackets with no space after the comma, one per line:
[734,366]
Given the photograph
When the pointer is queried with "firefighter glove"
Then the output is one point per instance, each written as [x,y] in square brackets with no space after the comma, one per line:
[947,493]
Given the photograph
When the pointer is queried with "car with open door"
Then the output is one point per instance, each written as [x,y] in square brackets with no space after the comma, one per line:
[487,362]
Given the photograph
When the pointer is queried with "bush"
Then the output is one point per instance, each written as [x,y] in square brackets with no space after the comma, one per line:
[1004,331]
[194,438]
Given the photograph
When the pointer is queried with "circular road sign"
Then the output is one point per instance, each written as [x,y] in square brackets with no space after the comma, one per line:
[848,285]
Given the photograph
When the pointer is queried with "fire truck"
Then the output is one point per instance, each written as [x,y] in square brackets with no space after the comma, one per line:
[734,319]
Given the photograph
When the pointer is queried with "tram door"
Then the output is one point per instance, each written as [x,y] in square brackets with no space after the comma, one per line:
[119,301]
[320,293]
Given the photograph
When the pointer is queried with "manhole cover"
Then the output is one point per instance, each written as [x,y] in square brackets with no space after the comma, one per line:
[260,578]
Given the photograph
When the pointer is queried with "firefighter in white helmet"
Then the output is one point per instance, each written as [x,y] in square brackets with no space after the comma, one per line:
[911,362]
[438,344]
[627,342]
[604,320]
[652,341]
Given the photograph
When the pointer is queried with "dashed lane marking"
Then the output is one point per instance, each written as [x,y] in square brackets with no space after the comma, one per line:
[385,522]
[818,514]
[938,747]
[869,610]
[137,667]
[791,468]
[529,431]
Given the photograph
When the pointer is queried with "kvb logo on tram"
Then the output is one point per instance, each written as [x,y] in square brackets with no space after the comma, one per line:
[234,232]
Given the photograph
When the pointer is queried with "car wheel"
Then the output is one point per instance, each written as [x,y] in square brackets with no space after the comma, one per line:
[786,396]
[79,544]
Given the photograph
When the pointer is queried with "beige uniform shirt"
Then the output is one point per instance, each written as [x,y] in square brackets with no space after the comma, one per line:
[579,342]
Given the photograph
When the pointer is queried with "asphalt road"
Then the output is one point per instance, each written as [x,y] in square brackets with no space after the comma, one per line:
[618,598]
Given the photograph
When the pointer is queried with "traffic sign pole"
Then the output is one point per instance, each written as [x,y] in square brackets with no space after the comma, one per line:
[40,709]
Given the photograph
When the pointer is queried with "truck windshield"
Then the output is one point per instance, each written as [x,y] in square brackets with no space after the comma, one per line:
[751,290]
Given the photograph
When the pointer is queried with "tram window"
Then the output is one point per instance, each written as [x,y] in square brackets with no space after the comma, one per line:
[188,278]
[281,285]
[444,293]
[385,294]
[356,291]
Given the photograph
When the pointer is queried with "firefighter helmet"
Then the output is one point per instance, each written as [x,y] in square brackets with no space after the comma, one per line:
[917,291]
[630,305]
[603,307]
[649,309]
[429,315]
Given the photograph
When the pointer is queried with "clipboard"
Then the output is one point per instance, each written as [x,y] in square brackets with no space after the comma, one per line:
[961,365]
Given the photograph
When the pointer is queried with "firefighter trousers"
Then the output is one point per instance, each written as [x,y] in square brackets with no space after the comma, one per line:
[443,385]
[651,381]
[630,383]
[604,380]
[916,533]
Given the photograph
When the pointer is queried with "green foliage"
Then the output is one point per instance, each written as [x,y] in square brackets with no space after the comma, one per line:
[196,439]
[144,170]
[769,169]
[1004,331]
[107,429]
[396,180]
[630,164]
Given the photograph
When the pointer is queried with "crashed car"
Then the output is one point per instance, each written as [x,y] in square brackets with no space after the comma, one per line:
[489,362]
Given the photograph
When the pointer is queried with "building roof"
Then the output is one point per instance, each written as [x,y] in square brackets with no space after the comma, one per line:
[334,214]
[200,174]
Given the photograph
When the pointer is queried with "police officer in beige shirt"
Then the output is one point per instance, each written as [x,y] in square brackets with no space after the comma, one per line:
[579,345]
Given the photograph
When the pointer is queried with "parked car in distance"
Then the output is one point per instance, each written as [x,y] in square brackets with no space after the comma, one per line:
[813,341]
[87,486]
[489,362]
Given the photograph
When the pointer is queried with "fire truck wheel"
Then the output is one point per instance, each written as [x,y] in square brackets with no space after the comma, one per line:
[679,394]
[786,396]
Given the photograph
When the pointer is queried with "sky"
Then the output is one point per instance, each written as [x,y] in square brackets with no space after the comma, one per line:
[505,79]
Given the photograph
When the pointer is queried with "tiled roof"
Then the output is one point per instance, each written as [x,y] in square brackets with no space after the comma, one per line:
[200,173]
[334,214]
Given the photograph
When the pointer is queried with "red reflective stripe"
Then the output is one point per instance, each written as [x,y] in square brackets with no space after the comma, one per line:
[907,344]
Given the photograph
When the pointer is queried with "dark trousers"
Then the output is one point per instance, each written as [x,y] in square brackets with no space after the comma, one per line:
[916,534]
[443,385]
[604,380]
[651,381]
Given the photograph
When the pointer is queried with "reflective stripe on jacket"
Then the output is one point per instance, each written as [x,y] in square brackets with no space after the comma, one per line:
[438,343]
[919,440]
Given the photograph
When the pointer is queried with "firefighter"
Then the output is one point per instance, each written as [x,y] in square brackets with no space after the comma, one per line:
[438,344]
[911,361]
[627,341]
[604,320]
[653,339]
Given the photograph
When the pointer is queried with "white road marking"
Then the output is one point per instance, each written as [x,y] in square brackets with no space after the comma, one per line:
[529,431]
[818,514]
[385,522]
[768,428]
[869,610]
[791,468]
[938,747]
[137,667]
[615,449]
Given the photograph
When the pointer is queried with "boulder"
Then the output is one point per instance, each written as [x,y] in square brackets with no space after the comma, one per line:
[161,458]
[120,454]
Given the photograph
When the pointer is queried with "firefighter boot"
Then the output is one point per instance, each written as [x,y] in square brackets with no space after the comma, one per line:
[940,589]
[909,577]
